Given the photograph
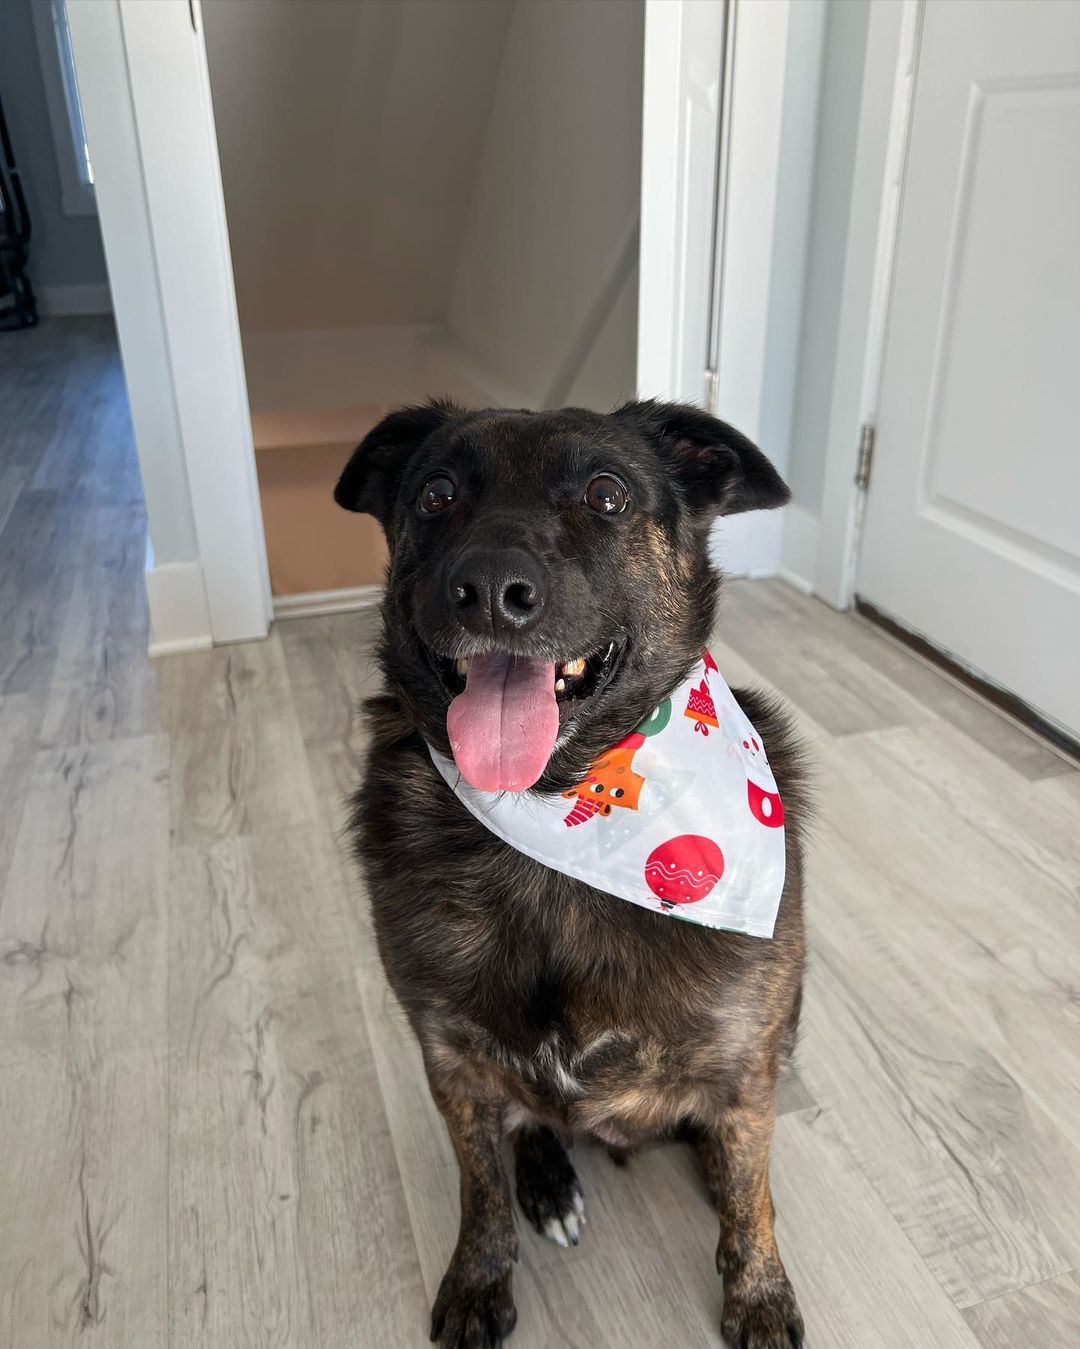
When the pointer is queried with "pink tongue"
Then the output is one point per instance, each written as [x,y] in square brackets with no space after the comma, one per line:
[503,727]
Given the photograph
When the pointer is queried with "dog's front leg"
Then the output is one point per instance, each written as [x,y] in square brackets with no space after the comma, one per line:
[760,1311]
[474,1308]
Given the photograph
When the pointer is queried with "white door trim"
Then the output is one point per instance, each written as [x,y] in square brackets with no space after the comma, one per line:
[683,58]
[152,124]
[885,111]
[684,65]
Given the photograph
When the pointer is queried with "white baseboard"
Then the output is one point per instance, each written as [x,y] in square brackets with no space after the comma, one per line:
[799,548]
[179,647]
[315,602]
[797,582]
[179,613]
[65,301]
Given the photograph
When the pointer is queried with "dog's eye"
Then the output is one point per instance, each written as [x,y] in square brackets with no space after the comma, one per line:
[436,494]
[617,792]
[607,495]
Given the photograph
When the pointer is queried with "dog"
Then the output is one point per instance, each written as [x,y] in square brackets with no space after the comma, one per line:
[573,546]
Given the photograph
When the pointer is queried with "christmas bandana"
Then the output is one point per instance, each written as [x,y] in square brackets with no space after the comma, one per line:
[682,816]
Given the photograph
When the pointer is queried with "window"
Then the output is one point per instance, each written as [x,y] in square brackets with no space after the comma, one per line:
[65,111]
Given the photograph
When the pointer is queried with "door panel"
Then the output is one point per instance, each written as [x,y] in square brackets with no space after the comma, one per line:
[972,531]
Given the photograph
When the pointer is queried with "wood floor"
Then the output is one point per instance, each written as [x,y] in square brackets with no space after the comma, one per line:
[214,1125]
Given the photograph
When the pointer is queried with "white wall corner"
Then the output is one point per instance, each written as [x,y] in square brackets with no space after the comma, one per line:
[798,549]
[90,297]
[749,544]
[179,613]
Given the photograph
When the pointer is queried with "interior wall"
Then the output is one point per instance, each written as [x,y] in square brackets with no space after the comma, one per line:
[556,200]
[349,136]
[423,196]
[65,250]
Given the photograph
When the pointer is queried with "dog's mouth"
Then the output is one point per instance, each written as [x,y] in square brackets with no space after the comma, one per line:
[507,710]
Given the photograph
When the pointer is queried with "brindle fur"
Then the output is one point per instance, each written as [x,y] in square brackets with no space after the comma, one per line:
[543,1004]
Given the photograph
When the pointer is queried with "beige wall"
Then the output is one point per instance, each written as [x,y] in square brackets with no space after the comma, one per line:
[423,196]
[349,136]
[556,197]
[472,164]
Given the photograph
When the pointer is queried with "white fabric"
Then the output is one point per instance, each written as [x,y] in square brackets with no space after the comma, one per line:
[681,817]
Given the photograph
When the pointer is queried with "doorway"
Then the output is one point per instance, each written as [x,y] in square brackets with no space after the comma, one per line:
[428,197]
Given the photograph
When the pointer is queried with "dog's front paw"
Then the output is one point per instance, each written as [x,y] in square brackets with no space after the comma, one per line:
[548,1189]
[474,1309]
[762,1315]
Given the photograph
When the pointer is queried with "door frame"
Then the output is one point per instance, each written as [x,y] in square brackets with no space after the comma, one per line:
[885,113]
[145,86]
[721,269]
[145,91]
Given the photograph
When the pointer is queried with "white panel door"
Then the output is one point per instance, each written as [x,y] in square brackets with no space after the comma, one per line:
[972,532]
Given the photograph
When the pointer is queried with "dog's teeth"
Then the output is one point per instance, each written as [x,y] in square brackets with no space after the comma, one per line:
[574,667]
[560,686]
[461,666]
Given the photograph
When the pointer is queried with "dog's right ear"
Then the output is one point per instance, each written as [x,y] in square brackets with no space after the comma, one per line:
[369,482]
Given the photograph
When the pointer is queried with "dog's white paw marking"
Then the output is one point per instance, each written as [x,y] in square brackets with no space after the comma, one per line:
[566,1231]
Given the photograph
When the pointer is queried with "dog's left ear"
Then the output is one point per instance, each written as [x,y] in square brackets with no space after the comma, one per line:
[719,471]
[369,481]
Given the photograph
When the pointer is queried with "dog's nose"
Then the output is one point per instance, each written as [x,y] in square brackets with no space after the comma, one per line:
[497,590]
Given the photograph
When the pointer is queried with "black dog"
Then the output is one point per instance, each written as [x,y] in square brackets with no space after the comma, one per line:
[566,547]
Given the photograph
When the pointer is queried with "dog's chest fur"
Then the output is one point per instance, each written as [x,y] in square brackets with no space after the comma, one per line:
[573,1004]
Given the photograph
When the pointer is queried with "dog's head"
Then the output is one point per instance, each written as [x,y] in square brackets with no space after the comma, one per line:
[549,580]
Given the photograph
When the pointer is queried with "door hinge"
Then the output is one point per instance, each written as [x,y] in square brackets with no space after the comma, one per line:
[866,456]
[712,390]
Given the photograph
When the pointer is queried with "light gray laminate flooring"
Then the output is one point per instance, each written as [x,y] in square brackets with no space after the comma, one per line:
[214,1125]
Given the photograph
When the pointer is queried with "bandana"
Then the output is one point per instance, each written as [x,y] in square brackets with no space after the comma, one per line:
[682,816]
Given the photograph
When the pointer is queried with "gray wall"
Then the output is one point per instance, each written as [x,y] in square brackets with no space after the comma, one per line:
[66,250]
[834,163]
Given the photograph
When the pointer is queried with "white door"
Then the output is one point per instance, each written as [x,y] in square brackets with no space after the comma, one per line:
[972,531]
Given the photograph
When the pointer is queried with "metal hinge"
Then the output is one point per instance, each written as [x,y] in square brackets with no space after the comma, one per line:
[866,456]
[712,390]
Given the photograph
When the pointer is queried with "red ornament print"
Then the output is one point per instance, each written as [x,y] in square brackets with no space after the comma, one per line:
[765,806]
[684,870]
